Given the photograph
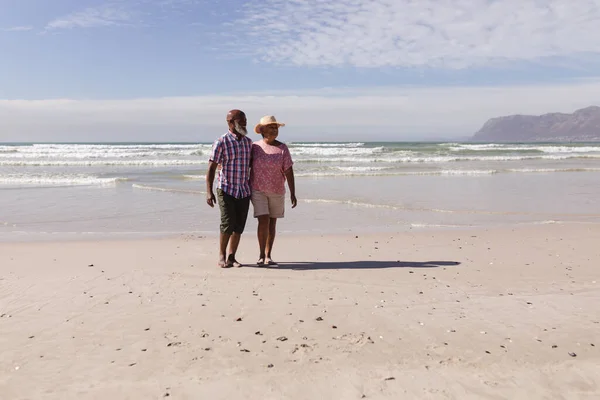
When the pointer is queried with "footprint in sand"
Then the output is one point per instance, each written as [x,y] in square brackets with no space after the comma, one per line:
[354,341]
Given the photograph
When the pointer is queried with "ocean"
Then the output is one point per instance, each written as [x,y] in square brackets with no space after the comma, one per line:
[57,191]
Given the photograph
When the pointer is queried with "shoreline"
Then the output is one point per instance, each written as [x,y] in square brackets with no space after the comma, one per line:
[474,313]
[85,237]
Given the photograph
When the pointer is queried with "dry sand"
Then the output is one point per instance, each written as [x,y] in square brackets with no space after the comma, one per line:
[470,314]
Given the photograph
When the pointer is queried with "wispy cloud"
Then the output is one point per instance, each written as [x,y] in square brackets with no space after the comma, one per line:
[450,34]
[401,113]
[130,13]
[19,29]
[108,15]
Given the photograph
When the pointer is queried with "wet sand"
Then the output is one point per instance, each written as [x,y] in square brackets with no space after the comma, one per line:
[467,314]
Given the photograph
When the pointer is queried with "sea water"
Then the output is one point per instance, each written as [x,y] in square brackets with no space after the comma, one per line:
[69,190]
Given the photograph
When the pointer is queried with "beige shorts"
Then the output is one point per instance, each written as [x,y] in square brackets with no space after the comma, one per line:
[270,204]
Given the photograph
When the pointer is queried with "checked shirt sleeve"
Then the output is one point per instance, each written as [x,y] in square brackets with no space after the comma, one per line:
[217,152]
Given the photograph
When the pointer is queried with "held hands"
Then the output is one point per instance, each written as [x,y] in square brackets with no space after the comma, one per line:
[210,199]
[294,200]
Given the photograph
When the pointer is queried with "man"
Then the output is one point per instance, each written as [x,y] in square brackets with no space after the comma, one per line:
[232,153]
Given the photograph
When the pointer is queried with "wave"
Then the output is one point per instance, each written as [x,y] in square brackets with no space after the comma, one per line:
[400,208]
[538,148]
[384,171]
[333,151]
[423,225]
[357,172]
[361,169]
[58,180]
[299,145]
[442,159]
[547,170]
[195,177]
[77,147]
[98,154]
[94,163]
[164,189]
[413,209]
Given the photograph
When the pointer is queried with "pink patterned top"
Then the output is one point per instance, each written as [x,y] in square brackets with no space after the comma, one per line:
[269,164]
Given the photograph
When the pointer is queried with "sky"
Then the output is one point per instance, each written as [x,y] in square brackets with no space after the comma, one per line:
[344,70]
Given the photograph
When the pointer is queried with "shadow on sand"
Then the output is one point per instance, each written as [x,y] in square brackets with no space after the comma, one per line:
[302,266]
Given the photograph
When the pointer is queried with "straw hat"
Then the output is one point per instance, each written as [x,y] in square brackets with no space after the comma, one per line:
[267,120]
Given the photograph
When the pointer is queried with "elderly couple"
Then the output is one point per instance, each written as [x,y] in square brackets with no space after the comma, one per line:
[249,172]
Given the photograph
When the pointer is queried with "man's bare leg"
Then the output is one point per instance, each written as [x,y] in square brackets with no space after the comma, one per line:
[233,246]
[271,240]
[262,232]
[223,241]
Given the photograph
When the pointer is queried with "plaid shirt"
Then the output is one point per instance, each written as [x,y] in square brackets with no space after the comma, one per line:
[234,158]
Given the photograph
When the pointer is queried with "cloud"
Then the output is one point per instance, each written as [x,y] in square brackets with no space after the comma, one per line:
[450,34]
[403,113]
[108,15]
[18,29]
[145,13]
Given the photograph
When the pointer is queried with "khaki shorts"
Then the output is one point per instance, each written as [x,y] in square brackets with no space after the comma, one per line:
[270,204]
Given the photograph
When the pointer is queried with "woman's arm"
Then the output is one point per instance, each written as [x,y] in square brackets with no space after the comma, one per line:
[289,176]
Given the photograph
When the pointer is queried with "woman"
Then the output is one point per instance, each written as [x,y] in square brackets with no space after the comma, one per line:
[271,166]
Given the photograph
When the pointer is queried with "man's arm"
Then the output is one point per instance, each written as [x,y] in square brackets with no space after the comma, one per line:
[210,177]
[289,176]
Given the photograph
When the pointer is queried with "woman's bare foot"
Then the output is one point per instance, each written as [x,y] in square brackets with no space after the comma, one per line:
[270,261]
[261,262]
[222,263]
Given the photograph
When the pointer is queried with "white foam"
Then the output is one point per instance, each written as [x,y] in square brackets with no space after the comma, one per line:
[552,170]
[98,154]
[77,147]
[361,169]
[335,151]
[443,159]
[164,189]
[59,180]
[299,145]
[94,163]
[83,151]
[423,225]
[384,171]
[526,147]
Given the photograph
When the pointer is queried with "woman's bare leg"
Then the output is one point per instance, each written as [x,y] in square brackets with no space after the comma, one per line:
[262,233]
[271,239]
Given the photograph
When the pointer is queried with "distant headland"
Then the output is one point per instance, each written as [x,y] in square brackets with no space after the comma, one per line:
[581,126]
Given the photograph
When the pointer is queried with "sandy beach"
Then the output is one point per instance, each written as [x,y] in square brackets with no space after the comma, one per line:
[505,313]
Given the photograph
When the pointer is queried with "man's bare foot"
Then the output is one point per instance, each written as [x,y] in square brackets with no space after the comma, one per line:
[222,264]
[270,261]
[232,262]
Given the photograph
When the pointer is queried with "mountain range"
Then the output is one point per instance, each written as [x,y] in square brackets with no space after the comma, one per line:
[581,126]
